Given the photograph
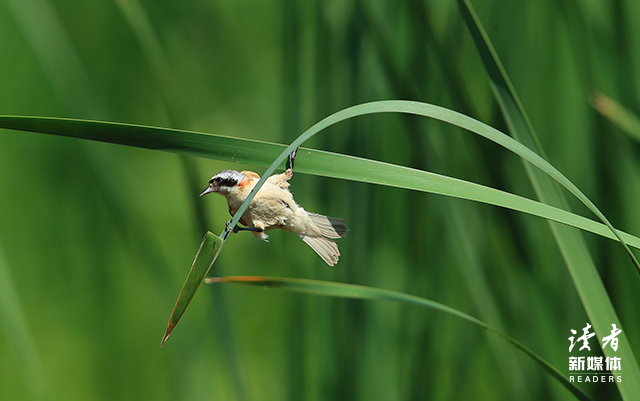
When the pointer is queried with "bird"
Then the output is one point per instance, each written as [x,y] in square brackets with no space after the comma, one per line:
[273,207]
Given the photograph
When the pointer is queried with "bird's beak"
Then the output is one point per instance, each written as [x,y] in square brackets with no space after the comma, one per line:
[208,190]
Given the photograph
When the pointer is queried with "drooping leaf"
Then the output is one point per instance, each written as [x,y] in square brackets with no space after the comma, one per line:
[342,290]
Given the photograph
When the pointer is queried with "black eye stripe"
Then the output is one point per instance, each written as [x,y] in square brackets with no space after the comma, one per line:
[227,182]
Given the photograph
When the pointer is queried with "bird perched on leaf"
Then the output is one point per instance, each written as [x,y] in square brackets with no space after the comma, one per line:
[273,207]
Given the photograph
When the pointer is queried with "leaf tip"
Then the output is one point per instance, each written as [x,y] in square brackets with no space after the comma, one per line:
[166,335]
[599,101]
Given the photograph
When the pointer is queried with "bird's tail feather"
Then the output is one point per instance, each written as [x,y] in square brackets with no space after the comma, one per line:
[326,248]
[330,227]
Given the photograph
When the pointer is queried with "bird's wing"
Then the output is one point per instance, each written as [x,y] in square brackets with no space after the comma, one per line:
[273,206]
[232,212]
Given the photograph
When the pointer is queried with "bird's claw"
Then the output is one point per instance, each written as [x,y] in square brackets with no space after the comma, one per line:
[292,158]
[237,228]
[234,229]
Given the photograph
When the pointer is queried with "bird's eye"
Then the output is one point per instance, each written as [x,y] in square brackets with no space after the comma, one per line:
[217,180]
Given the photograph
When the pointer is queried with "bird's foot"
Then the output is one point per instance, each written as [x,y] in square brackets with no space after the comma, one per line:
[237,228]
[234,229]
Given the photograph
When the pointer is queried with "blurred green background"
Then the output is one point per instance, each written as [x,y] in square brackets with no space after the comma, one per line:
[96,239]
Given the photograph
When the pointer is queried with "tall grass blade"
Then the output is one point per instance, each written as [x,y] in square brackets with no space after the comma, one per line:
[592,292]
[46,33]
[342,290]
[20,340]
[157,60]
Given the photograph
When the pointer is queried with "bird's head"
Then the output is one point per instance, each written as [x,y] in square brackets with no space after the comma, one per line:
[229,182]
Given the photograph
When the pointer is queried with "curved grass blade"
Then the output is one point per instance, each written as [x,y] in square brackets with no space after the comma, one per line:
[206,256]
[311,161]
[585,276]
[197,144]
[342,290]
[446,115]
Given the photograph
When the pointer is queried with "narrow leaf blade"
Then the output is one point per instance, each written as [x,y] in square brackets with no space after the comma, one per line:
[207,253]
[342,290]
[583,271]
[310,161]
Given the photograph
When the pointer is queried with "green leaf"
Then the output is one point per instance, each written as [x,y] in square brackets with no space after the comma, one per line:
[310,161]
[452,117]
[206,256]
[592,292]
[342,290]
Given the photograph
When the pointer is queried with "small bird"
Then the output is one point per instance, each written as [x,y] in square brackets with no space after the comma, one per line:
[273,207]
